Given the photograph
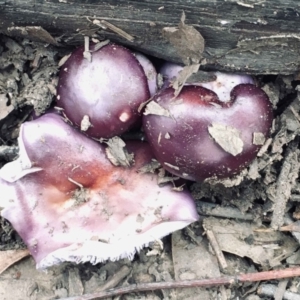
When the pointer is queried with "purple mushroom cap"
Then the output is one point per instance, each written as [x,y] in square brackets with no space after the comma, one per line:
[106,91]
[184,137]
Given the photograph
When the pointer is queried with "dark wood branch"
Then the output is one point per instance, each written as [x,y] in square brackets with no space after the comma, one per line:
[252,36]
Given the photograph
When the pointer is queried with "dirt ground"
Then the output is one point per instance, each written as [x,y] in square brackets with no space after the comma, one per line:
[247,224]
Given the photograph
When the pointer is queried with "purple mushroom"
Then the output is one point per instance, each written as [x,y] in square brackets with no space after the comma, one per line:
[102,96]
[69,203]
[197,136]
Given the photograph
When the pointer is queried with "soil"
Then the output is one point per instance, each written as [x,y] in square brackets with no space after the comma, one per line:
[243,226]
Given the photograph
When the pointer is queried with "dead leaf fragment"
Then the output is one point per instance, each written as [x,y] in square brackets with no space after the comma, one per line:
[117,153]
[153,108]
[182,77]
[167,136]
[242,239]
[36,33]
[187,41]
[150,167]
[163,178]
[9,257]
[85,123]
[227,137]
[258,138]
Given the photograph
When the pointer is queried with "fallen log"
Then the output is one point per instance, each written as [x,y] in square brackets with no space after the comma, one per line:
[250,36]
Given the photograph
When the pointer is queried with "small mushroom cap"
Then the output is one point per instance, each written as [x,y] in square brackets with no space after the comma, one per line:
[107,90]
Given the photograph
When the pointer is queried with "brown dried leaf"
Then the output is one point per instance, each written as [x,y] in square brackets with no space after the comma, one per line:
[9,257]
[85,123]
[117,153]
[187,41]
[243,239]
[153,108]
[227,137]
[258,138]
[182,77]
[36,33]
[150,167]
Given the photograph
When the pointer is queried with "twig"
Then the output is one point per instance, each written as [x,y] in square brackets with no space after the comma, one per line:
[281,289]
[117,30]
[288,221]
[227,280]
[115,279]
[215,245]
[270,289]
[211,209]
[284,185]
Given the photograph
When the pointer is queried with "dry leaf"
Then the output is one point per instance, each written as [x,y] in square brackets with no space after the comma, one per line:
[242,239]
[153,108]
[182,77]
[227,137]
[85,123]
[258,138]
[9,257]
[187,41]
[150,167]
[117,153]
[33,32]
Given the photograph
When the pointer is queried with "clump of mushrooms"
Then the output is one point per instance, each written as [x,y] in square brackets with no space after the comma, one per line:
[69,202]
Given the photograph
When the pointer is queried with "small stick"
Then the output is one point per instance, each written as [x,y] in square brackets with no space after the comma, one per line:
[115,279]
[211,209]
[215,245]
[280,289]
[288,221]
[117,30]
[226,280]
[265,147]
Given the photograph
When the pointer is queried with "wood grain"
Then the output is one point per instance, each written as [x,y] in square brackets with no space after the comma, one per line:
[252,36]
